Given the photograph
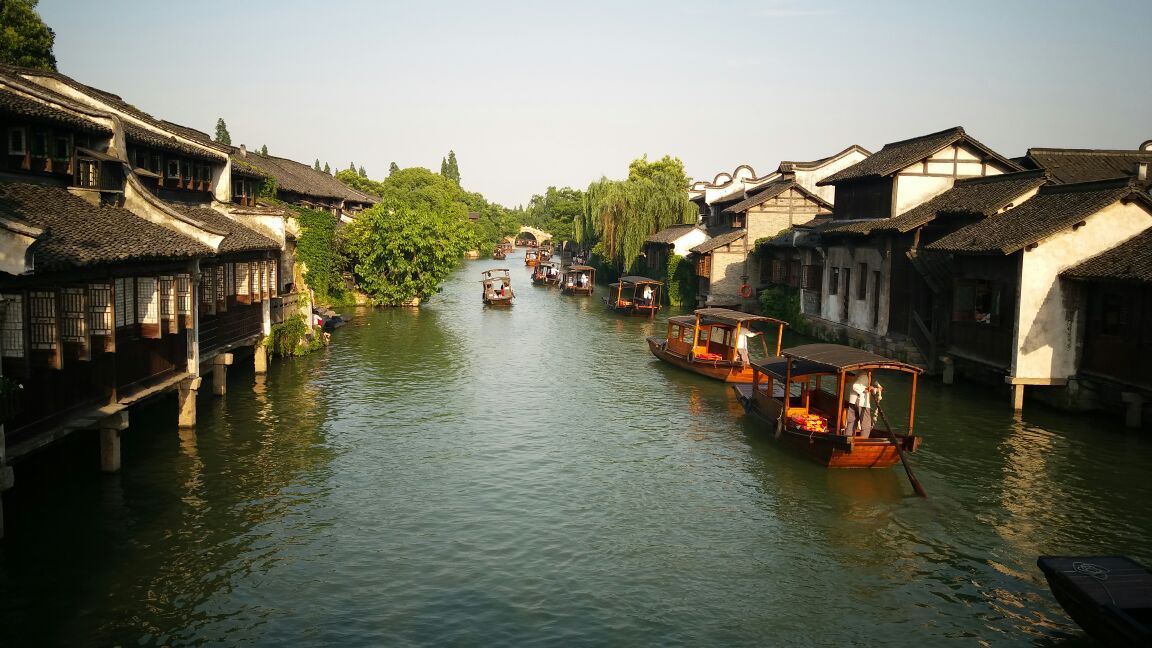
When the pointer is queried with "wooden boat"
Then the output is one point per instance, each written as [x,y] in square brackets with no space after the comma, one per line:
[502,251]
[546,274]
[531,257]
[578,280]
[802,396]
[706,342]
[544,254]
[497,287]
[1110,597]
[636,296]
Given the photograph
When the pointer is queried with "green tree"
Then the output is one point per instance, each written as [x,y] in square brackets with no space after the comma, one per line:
[25,40]
[327,169]
[403,251]
[264,150]
[222,135]
[444,167]
[316,164]
[362,172]
[358,182]
[619,215]
[352,167]
[452,168]
[318,247]
[393,168]
[555,212]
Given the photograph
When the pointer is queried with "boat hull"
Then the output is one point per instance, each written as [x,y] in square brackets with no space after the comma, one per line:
[576,291]
[499,301]
[1110,597]
[717,370]
[830,450]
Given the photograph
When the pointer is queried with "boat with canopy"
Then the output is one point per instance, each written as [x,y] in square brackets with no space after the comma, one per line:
[497,287]
[634,295]
[709,342]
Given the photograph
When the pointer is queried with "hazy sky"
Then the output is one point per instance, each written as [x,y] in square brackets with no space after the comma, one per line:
[531,94]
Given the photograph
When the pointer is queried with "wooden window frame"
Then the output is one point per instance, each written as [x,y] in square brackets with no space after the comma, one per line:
[834,281]
[862,277]
[23,148]
[12,327]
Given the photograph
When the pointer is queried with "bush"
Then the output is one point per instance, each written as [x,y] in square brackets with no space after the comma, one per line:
[681,281]
[292,337]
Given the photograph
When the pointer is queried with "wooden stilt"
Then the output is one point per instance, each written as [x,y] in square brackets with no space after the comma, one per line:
[110,429]
[186,402]
[220,373]
[1017,397]
[260,358]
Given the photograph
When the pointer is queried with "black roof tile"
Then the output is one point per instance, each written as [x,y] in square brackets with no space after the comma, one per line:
[1085,165]
[240,238]
[897,155]
[1131,261]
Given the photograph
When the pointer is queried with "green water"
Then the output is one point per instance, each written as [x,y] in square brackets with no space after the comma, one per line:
[462,475]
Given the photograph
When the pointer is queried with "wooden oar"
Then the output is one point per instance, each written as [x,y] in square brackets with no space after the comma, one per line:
[900,451]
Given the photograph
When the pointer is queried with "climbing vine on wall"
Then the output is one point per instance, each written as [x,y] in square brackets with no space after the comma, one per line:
[318,247]
[681,281]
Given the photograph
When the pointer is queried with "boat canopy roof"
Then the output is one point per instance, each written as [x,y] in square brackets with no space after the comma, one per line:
[581,268]
[489,273]
[683,320]
[640,280]
[729,316]
[830,358]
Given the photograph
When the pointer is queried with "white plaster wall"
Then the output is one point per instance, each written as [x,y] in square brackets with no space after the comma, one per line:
[809,178]
[142,203]
[14,252]
[1049,324]
[911,191]
[859,310]
[222,189]
[688,240]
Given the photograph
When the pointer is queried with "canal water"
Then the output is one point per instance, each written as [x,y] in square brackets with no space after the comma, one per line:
[463,475]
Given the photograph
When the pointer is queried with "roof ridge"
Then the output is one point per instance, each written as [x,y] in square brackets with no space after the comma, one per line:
[1080,151]
[958,131]
[1000,177]
[1091,185]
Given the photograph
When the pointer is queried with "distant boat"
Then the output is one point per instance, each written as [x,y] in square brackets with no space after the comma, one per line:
[1110,597]
[546,274]
[578,280]
[637,296]
[531,257]
[497,287]
[706,342]
[802,396]
[502,251]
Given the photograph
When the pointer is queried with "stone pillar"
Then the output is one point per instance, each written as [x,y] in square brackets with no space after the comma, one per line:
[5,477]
[220,373]
[186,402]
[1017,397]
[1135,408]
[260,358]
[949,370]
[110,429]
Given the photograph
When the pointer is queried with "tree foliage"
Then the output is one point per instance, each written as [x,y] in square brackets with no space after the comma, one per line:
[327,169]
[264,150]
[222,135]
[403,250]
[453,168]
[25,40]
[319,247]
[316,165]
[362,172]
[555,212]
[619,215]
[393,168]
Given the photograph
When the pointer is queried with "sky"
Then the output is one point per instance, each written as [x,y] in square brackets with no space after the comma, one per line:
[533,94]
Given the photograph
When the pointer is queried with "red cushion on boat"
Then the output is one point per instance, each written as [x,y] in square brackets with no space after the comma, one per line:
[810,422]
[708,356]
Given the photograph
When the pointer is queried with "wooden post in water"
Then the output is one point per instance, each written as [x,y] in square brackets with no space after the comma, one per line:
[110,429]
[260,358]
[186,403]
[220,373]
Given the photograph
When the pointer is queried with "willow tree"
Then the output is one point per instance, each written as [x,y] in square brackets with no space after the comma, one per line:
[621,214]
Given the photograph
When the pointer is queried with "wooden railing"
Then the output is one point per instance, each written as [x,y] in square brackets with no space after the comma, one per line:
[286,306]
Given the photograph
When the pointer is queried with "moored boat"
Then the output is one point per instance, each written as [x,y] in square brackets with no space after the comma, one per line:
[709,342]
[815,399]
[578,280]
[497,287]
[1110,597]
[636,296]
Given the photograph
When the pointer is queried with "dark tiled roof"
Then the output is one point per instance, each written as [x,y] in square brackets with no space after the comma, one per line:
[145,137]
[1053,209]
[79,234]
[17,104]
[240,238]
[1085,165]
[1131,261]
[856,227]
[719,241]
[120,105]
[970,196]
[299,178]
[771,190]
[669,234]
[897,155]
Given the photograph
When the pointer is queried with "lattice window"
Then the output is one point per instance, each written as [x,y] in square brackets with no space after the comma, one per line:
[263,270]
[100,309]
[812,277]
[147,301]
[125,301]
[273,266]
[42,313]
[243,279]
[230,278]
[73,315]
[13,330]
[183,296]
[221,287]
[167,297]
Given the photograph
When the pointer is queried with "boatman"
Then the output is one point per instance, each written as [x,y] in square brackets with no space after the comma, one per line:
[858,418]
[742,344]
